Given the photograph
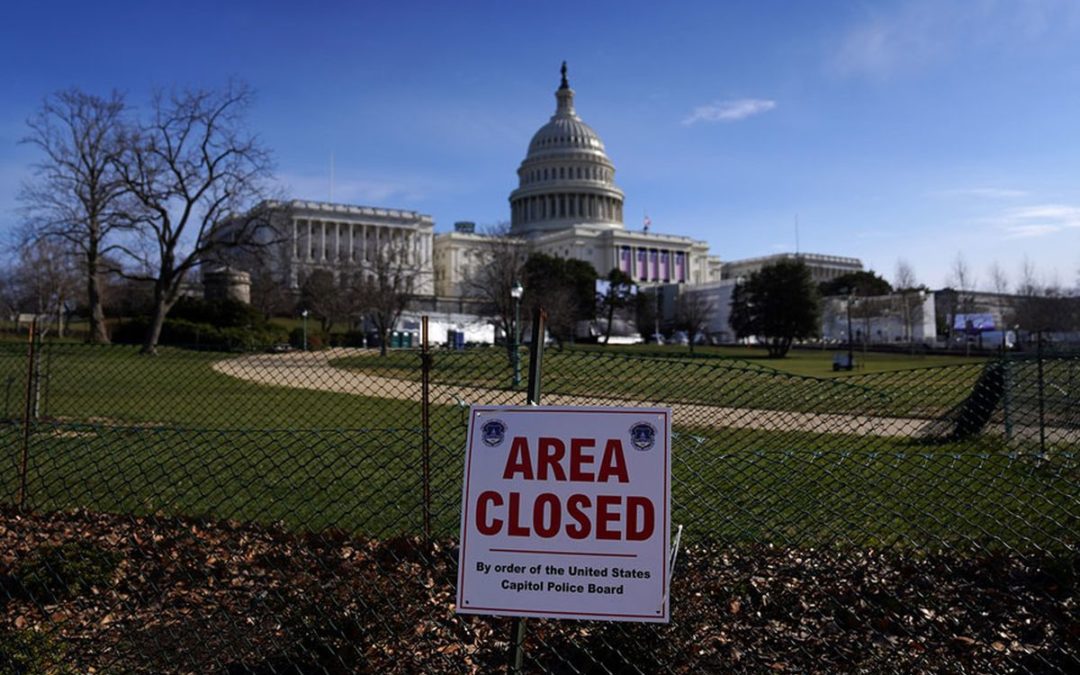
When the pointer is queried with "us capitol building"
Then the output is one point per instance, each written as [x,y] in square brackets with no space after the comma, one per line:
[566,204]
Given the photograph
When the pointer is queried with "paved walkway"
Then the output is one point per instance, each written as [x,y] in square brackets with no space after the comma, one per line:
[312,370]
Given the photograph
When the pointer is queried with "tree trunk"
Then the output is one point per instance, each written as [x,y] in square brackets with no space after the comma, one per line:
[610,318]
[99,334]
[153,333]
[383,335]
[778,347]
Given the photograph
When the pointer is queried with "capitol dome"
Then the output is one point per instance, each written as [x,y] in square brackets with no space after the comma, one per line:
[566,179]
[565,132]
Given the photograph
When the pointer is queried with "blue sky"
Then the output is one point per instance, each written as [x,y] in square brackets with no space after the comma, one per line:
[913,129]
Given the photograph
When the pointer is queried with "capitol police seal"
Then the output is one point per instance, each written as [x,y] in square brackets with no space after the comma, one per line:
[493,432]
[643,435]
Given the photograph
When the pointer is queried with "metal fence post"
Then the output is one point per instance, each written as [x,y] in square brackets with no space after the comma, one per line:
[29,412]
[516,661]
[1042,398]
[1006,399]
[536,355]
[425,422]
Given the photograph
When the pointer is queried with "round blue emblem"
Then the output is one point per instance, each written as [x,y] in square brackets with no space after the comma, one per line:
[643,435]
[493,432]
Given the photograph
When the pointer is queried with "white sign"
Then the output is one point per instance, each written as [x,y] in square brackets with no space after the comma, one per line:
[566,513]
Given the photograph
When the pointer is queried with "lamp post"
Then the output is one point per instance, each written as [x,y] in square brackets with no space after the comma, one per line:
[304,315]
[516,291]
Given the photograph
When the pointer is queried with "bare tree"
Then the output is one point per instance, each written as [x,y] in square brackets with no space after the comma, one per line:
[867,309]
[77,195]
[269,294]
[911,297]
[964,281]
[692,313]
[10,292]
[498,264]
[905,275]
[387,287]
[195,172]
[999,280]
[999,284]
[331,300]
[1028,285]
[47,280]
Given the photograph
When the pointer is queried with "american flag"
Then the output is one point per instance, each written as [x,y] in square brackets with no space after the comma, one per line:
[648,222]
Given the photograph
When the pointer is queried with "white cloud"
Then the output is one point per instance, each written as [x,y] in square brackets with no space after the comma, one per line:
[1039,220]
[1029,231]
[729,111]
[1070,215]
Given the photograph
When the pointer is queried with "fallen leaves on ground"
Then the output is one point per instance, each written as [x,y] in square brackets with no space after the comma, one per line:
[201,596]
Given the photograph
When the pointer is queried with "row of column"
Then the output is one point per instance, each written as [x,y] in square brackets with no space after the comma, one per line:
[330,241]
[568,205]
[651,264]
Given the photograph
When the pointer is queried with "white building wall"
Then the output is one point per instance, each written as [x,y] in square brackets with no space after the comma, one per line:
[477,330]
[343,238]
[879,319]
[718,295]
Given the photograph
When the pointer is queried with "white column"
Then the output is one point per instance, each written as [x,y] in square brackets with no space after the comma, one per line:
[308,254]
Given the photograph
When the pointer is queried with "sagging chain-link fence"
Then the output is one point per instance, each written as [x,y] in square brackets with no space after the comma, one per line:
[298,513]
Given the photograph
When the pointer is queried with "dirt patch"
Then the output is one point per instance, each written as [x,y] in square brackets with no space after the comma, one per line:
[191,595]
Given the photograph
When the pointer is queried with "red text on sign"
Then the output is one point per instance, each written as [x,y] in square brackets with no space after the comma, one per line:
[553,462]
[605,517]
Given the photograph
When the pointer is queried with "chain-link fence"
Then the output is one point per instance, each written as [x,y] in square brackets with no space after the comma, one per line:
[298,513]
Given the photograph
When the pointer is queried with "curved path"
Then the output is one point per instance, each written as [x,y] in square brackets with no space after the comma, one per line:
[313,370]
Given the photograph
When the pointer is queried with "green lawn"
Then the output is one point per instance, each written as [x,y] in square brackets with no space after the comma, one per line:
[931,389]
[808,362]
[132,434]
